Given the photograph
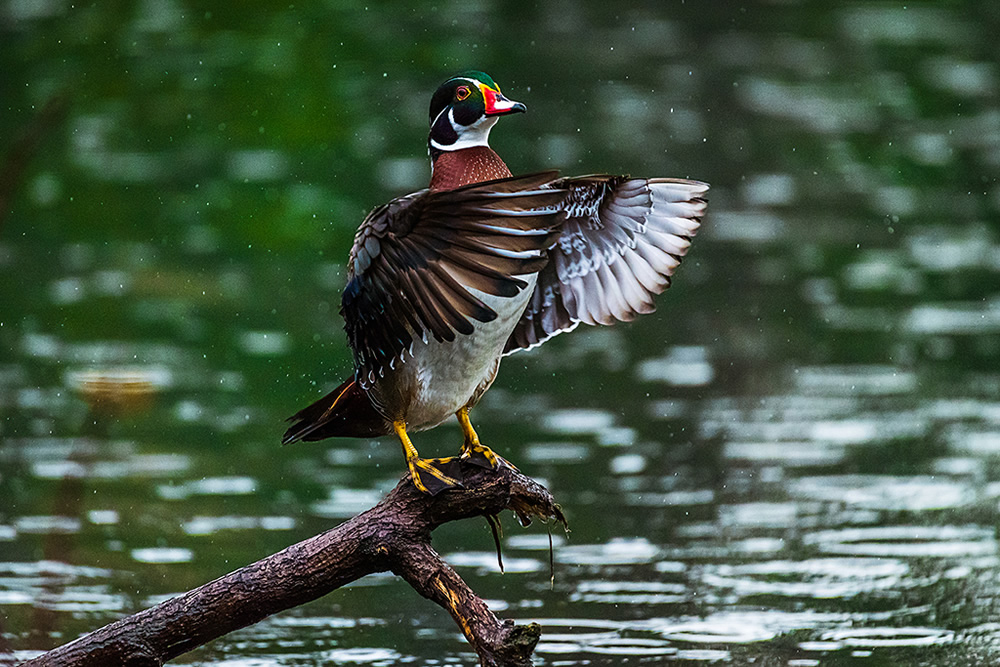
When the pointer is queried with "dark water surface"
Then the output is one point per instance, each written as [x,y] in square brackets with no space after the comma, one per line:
[795,461]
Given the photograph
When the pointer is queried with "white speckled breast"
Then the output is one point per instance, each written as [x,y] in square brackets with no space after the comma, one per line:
[446,376]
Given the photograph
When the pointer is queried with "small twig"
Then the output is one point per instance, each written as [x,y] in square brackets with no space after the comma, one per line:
[394,535]
[497,531]
[552,561]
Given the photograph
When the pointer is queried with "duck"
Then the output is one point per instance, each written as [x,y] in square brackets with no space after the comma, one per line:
[445,282]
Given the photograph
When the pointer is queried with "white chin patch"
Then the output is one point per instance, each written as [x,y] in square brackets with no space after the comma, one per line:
[477,134]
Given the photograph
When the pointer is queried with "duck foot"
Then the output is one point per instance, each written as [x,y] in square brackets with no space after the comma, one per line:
[432,476]
[484,457]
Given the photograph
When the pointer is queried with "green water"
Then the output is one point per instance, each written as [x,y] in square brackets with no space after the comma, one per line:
[794,461]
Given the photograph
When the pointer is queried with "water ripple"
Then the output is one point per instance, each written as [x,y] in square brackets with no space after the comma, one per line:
[210,525]
[885,492]
[874,637]
[818,578]
[161,555]
[377,657]
[346,503]
[618,551]
[209,486]
[855,380]
[906,541]
[486,561]
[630,592]
[578,421]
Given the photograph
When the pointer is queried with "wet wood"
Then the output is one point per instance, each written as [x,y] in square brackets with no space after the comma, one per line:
[395,535]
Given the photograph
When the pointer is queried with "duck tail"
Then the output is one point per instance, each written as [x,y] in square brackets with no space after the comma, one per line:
[345,412]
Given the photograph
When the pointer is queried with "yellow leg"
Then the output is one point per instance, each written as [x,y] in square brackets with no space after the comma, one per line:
[431,476]
[474,451]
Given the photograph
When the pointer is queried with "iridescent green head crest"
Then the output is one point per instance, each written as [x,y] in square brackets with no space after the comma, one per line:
[482,77]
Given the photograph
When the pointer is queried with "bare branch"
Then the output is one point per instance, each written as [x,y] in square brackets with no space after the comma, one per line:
[394,535]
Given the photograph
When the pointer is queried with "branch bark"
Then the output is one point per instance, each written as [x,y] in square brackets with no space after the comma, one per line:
[394,535]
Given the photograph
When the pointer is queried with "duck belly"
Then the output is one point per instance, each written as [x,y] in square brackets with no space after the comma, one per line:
[446,376]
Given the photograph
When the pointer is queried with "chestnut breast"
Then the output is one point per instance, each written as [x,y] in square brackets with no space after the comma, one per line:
[453,169]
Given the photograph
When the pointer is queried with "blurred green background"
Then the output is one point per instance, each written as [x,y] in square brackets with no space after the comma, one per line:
[794,459]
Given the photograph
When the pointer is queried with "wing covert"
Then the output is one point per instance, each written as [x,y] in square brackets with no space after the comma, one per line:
[415,260]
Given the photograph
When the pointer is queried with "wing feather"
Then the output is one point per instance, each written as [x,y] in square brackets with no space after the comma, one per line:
[415,260]
[620,242]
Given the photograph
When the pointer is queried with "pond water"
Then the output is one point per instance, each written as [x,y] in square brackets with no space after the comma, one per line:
[795,461]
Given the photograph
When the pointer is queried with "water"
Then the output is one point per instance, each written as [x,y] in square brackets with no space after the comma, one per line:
[793,462]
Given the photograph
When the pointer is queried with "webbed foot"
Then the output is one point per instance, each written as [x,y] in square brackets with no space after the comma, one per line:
[484,457]
[432,476]
[475,452]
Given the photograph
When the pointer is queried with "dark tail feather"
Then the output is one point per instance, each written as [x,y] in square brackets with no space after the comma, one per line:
[345,412]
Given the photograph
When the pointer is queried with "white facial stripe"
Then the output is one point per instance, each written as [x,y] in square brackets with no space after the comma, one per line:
[434,122]
[477,134]
[463,78]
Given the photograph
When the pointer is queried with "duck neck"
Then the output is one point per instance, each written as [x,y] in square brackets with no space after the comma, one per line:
[453,169]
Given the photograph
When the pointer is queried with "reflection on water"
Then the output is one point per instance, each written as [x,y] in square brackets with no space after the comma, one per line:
[162,555]
[792,462]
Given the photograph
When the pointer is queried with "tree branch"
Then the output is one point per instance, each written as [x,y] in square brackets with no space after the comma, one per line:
[394,535]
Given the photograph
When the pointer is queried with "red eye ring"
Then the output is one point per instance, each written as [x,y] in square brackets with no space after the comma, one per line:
[462,93]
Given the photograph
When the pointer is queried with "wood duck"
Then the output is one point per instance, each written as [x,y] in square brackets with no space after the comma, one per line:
[444,282]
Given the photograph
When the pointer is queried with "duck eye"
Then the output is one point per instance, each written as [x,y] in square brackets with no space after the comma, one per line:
[462,93]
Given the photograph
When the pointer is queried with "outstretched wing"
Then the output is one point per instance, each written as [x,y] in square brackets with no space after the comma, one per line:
[417,260]
[620,243]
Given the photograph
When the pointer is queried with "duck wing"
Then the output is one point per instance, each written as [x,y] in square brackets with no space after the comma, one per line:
[418,261]
[620,242]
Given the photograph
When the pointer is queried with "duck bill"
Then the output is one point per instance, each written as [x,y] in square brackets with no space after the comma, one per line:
[498,105]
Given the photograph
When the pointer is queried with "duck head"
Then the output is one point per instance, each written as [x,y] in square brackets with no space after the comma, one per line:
[464,109]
